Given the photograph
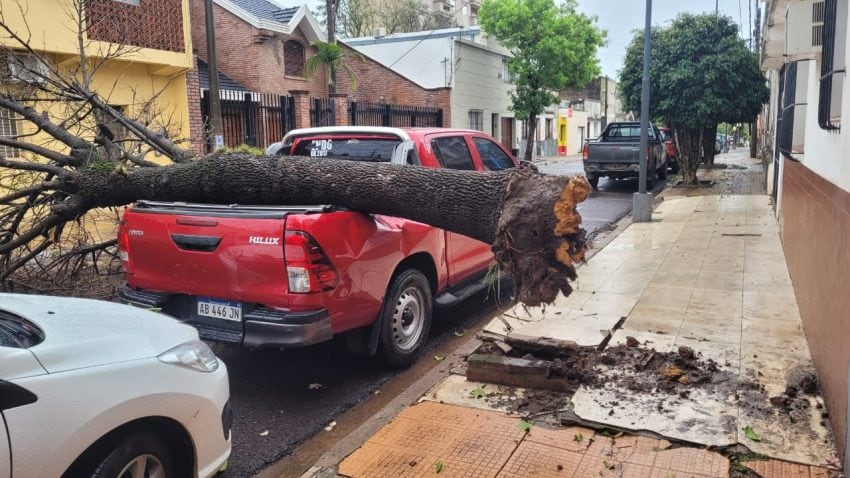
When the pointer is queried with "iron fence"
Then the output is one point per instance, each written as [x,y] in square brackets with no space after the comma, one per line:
[256,119]
[322,112]
[383,114]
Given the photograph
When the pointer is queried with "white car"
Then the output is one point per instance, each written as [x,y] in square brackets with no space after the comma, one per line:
[98,389]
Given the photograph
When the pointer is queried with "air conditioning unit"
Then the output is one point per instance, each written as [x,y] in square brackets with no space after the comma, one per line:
[25,68]
[379,32]
[803,30]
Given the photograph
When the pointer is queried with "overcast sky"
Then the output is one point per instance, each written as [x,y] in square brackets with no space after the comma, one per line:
[621,17]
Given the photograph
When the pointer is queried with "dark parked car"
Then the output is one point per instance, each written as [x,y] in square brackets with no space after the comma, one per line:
[616,154]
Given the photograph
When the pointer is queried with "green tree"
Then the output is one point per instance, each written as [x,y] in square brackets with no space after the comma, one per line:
[701,75]
[331,57]
[553,47]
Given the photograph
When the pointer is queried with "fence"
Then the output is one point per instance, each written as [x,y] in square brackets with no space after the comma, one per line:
[257,119]
[381,114]
[322,112]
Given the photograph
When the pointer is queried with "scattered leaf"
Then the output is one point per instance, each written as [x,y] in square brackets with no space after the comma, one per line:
[330,426]
[412,462]
[155,309]
[608,466]
[578,438]
[460,333]
[438,358]
[264,433]
[605,433]
[478,393]
[751,434]
[315,386]
[438,467]
[672,371]
[524,425]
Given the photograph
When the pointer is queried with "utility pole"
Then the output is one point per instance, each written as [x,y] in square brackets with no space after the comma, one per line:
[716,8]
[212,66]
[754,132]
[642,201]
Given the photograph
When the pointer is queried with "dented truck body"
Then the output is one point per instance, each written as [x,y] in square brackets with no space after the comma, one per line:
[281,276]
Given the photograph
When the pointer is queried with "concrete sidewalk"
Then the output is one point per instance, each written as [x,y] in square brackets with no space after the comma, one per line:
[680,354]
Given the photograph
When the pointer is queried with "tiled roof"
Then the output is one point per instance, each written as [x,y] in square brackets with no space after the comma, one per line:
[224,82]
[267,10]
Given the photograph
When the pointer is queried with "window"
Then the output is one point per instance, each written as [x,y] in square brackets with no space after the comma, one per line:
[476,120]
[452,153]
[492,156]
[8,129]
[548,128]
[372,150]
[293,59]
[131,2]
[833,70]
[507,75]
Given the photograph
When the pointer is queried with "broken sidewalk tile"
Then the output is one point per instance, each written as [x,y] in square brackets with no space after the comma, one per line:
[455,390]
[587,331]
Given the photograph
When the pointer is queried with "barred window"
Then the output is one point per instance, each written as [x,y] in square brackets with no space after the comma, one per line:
[476,120]
[293,58]
[833,69]
[8,129]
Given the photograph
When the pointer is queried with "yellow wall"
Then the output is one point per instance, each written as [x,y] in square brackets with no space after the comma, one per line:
[51,24]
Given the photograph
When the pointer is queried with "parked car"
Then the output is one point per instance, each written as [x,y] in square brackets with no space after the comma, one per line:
[98,389]
[721,144]
[616,154]
[284,276]
[670,149]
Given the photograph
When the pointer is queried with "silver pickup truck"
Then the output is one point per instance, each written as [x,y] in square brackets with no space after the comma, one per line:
[616,154]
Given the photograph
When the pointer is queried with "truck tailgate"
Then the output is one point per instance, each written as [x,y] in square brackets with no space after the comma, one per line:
[225,252]
[623,153]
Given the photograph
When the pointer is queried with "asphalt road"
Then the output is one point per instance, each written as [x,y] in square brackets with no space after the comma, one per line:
[282,398]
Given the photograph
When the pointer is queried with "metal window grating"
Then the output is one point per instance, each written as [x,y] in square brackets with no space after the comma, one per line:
[827,118]
[8,129]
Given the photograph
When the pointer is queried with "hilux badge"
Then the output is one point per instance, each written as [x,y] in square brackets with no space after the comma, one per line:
[271,241]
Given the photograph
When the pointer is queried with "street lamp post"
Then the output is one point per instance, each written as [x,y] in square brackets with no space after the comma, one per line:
[642,200]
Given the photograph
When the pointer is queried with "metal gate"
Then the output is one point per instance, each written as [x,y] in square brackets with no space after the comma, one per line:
[256,119]
[383,114]
[322,112]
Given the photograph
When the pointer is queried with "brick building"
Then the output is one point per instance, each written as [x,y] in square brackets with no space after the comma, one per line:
[262,49]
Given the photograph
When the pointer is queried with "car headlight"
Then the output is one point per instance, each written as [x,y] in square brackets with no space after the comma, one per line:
[194,355]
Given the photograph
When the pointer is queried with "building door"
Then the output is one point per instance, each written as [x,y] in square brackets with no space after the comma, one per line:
[494,125]
[508,133]
[580,138]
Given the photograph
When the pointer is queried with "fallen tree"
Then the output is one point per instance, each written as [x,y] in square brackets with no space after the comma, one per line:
[529,218]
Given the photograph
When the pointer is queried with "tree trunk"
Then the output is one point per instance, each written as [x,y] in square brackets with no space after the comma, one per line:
[529,141]
[690,146]
[753,140]
[709,139]
[330,8]
[530,219]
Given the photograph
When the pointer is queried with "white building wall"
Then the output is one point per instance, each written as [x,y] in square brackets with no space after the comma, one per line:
[827,153]
[478,85]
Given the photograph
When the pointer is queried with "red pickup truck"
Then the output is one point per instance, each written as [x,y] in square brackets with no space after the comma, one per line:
[282,276]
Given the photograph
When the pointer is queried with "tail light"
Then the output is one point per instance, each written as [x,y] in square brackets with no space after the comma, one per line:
[308,268]
[584,151]
[124,247]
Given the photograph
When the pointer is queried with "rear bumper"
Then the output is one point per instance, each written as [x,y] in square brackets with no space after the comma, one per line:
[260,327]
[605,169]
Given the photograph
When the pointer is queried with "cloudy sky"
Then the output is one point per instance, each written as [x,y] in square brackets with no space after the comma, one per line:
[621,17]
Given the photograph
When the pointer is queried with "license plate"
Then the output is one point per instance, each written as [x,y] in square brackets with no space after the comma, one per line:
[220,309]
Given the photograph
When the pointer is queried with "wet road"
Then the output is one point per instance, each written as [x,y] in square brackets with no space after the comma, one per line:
[282,398]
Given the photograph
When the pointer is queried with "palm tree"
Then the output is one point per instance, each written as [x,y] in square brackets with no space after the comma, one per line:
[331,57]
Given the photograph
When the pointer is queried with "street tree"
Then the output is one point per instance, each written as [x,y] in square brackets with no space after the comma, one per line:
[553,47]
[79,155]
[356,18]
[701,75]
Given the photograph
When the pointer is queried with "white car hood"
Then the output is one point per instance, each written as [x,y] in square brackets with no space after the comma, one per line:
[83,333]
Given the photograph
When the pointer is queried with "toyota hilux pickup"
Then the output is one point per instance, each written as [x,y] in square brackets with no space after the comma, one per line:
[284,276]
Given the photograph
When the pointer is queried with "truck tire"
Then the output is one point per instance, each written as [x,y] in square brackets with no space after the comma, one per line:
[405,318]
[594,181]
[662,172]
[674,166]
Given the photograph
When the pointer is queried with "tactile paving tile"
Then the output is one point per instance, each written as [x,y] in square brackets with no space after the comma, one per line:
[638,450]
[575,439]
[781,469]
[379,461]
[425,437]
[541,461]
[481,449]
[457,469]
[497,424]
[600,459]
[452,415]
[693,460]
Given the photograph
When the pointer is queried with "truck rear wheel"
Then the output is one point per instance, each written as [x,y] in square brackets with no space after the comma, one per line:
[405,317]
[594,181]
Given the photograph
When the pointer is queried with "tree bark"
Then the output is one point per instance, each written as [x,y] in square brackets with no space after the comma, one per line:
[709,137]
[529,141]
[753,139]
[330,8]
[530,219]
[690,146]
